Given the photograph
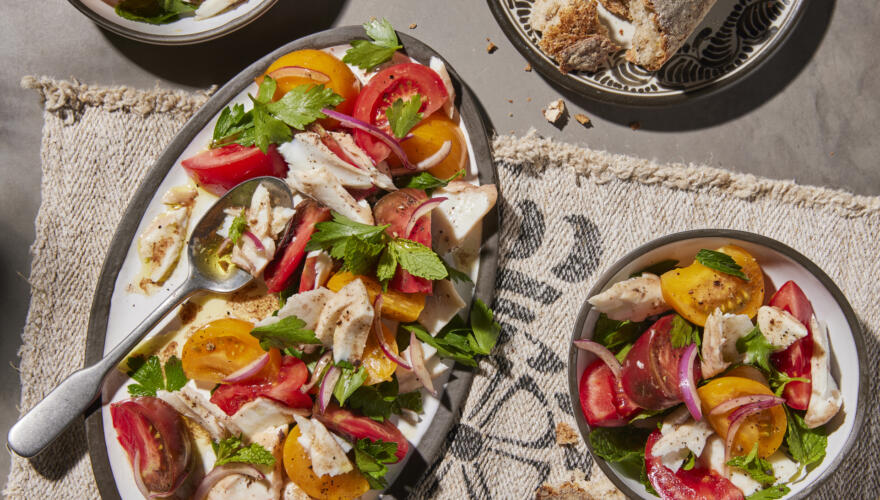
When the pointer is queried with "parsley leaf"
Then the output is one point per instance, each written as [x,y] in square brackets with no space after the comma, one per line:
[806,446]
[287,332]
[153,11]
[367,55]
[381,400]
[268,129]
[357,245]
[370,458]
[720,262]
[404,115]
[682,333]
[658,268]
[238,227]
[419,260]
[151,378]
[771,493]
[756,349]
[175,378]
[614,334]
[232,449]
[349,381]
[427,182]
[302,104]
[759,469]
[623,445]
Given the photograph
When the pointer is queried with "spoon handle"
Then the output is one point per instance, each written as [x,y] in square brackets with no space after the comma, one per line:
[48,419]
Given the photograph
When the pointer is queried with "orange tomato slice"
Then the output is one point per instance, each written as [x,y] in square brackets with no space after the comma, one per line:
[396,305]
[222,347]
[428,136]
[298,466]
[377,365]
[342,80]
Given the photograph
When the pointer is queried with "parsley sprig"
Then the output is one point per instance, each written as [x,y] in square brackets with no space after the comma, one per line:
[232,449]
[151,377]
[404,115]
[369,54]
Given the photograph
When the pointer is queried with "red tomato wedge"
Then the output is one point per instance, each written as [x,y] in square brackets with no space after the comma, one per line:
[602,398]
[401,81]
[219,170]
[650,370]
[284,389]
[152,432]
[396,209]
[695,484]
[356,427]
[794,361]
[280,271]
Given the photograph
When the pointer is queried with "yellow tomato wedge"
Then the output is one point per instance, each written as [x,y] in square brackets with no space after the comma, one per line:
[342,80]
[398,306]
[379,368]
[767,428]
[428,137]
[222,347]
[298,466]
[696,290]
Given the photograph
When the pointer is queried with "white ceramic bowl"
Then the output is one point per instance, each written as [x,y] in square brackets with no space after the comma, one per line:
[780,263]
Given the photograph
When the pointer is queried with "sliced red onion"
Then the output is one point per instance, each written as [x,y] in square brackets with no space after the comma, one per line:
[299,72]
[736,420]
[732,403]
[417,360]
[380,336]
[255,240]
[435,158]
[420,211]
[686,383]
[318,372]
[223,471]
[602,353]
[376,132]
[327,386]
[754,407]
[248,371]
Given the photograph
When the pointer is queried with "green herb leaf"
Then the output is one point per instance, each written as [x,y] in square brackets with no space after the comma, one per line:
[771,493]
[485,328]
[720,262]
[757,468]
[806,446]
[682,333]
[366,242]
[349,381]
[419,260]
[367,55]
[232,449]
[381,400]
[623,445]
[689,463]
[645,414]
[613,334]
[756,349]
[175,378]
[657,269]
[427,182]
[370,458]
[456,275]
[238,227]
[621,354]
[450,342]
[153,11]
[151,378]
[286,333]
[404,115]
[778,381]
[234,126]
[302,105]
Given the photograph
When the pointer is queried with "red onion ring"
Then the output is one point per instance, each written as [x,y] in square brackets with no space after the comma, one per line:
[686,383]
[327,386]
[248,370]
[417,360]
[732,403]
[738,417]
[437,157]
[256,241]
[138,479]
[602,353]
[423,209]
[389,141]
[299,72]
[318,372]
[223,471]
[380,336]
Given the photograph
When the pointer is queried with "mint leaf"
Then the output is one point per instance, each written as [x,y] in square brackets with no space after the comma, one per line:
[614,334]
[757,468]
[302,104]
[771,493]
[286,333]
[456,275]
[757,349]
[720,262]
[806,446]
[458,341]
[417,259]
[367,55]
[232,449]
[381,400]
[427,182]
[658,268]
[682,333]
[231,127]
[484,326]
[622,445]
[387,266]
[370,458]
[153,11]
[404,115]
[238,227]
[349,381]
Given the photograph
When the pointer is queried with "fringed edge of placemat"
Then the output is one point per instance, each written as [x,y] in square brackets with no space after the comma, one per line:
[602,167]
[69,97]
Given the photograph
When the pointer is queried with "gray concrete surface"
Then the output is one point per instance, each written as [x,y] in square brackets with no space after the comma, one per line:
[808,114]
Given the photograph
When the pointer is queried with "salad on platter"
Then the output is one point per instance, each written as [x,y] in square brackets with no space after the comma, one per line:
[167,11]
[700,389]
[307,383]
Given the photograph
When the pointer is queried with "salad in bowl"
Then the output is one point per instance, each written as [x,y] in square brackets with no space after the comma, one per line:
[703,368]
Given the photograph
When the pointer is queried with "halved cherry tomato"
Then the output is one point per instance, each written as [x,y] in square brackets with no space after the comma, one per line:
[427,138]
[602,398]
[401,81]
[650,370]
[398,306]
[356,427]
[283,389]
[298,466]
[698,483]
[279,272]
[219,170]
[696,291]
[221,348]
[379,368]
[766,428]
[342,80]
[794,361]
[152,432]
[396,209]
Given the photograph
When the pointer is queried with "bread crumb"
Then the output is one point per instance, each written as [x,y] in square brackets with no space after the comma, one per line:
[510,115]
[528,99]
[554,111]
[528,68]
[621,32]
[510,101]
[831,154]
[577,487]
[565,434]
[583,119]
[635,125]
[491,48]
[413,26]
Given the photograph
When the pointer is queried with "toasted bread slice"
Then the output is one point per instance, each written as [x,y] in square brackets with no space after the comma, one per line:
[619,8]
[662,27]
[577,40]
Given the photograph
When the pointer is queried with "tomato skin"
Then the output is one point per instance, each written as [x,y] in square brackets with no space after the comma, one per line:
[602,399]
[398,81]
[697,483]
[284,389]
[219,170]
[279,272]
[794,361]
[427,138]
[343,421]
[396,209]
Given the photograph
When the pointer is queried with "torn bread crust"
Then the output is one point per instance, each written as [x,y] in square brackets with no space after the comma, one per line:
[662,27]
[619,8]
[577,40]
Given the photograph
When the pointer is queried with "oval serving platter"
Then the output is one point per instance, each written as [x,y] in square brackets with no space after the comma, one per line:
[779,263]
[735,38]
[183,31]
[115,312]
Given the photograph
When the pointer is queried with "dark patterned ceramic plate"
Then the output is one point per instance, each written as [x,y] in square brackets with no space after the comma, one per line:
[734,38]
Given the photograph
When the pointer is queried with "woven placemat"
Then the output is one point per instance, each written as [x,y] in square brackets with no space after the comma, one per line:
[567,213]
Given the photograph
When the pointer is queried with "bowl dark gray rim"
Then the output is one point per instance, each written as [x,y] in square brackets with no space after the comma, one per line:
[202,36]
[460,377]
[782,248]
[551,72]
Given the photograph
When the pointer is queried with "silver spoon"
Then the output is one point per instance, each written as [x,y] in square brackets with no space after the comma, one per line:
[48,419]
